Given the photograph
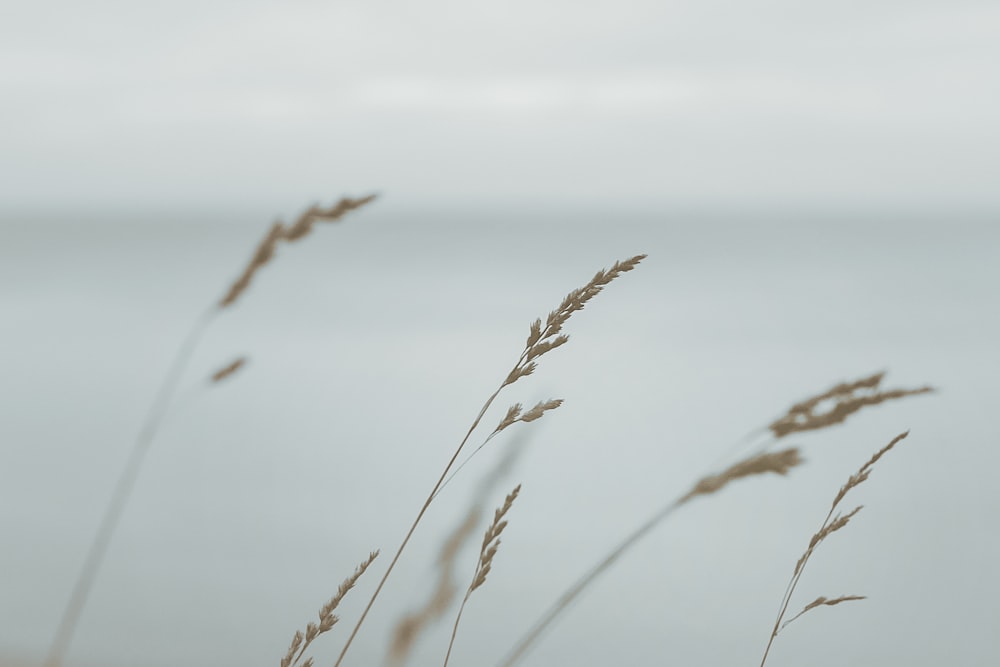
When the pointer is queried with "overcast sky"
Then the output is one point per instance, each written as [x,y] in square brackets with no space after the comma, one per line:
[218,101]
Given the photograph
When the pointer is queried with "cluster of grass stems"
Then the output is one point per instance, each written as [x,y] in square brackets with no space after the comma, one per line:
[825,409]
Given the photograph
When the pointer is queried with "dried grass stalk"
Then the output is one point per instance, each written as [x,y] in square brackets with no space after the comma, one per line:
[513,412]
[121,493]
[411,625]
[847,398]
[316,213]
[539,342]
[228,370]
[778,462]
[831,524]
[327,619]
[540,409]
[488,550]
[293,649]
[824,602]
[515,415]
[543,340]
[280,232]
[165,393]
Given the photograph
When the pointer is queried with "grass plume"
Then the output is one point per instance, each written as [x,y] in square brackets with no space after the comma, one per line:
[540,341]
[280,232]
[778,463]
[831,524]
[122,491]
[327,619]
[228,370]
[488,550]
[514,415]
[846,398]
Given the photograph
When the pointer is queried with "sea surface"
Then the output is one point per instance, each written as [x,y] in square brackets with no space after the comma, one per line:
[372,345]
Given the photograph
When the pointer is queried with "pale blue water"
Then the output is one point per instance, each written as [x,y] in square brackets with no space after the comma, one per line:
[372,346]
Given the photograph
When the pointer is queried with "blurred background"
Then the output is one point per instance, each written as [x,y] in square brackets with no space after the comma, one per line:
[814,185]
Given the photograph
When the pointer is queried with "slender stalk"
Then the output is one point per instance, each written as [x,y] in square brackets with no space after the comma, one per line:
[789,592]
[461,465]
[488,550]
[430,498]
[829,526]
[454,629]
[416,522]
[778,463]
[122,492]
[158,410]
[538,343]
[560,605]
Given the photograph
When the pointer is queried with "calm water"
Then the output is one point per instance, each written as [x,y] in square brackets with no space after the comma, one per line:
[372,346]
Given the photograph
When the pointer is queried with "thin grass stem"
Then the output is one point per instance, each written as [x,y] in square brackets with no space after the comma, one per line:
[122,492]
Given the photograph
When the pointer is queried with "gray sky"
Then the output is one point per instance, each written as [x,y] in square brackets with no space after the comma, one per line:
[213,101]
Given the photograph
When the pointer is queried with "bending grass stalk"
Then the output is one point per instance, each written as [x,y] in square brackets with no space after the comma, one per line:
[158,409]
[514,415]
[830,408]
[413,528]
[540,341]
[488,550]
[847,398]
[830,525]
[122,492]
[412,624]
[778,462]
[823,410]
[228,370]
[327,619]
